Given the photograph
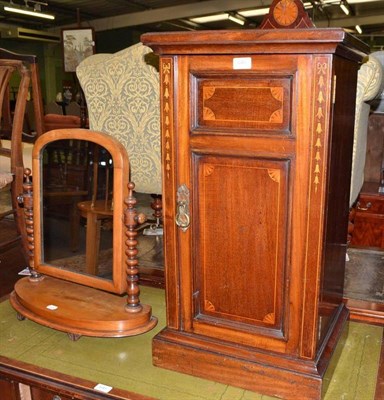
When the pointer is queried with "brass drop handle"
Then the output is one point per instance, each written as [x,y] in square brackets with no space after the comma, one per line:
[183,219]
[369,205]
[182,216]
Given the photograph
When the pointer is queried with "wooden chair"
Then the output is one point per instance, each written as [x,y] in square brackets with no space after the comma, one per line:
[73,108]
[15,154]
[30,61]
[11,175]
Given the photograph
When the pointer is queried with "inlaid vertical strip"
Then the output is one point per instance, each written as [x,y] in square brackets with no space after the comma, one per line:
[315,217]
[167,113]
[167,94]
[319,119]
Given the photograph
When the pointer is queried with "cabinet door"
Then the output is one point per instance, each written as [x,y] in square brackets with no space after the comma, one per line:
[250,146]
[241,236]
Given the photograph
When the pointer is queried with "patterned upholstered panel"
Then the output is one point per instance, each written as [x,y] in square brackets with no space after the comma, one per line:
[123,100]
[369,85]
[378,103]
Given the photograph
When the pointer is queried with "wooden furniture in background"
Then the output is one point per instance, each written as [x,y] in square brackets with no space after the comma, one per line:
[368,230]
[30,62]
[56,121]
[257,135]
[11,156]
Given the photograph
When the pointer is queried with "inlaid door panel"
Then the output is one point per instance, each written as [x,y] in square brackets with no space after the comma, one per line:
[242,224]
[257,102]
[249,100]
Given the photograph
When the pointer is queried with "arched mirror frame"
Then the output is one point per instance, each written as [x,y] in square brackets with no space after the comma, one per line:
[118,284]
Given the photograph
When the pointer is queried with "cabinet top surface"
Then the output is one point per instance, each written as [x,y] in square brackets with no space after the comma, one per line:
[255,40]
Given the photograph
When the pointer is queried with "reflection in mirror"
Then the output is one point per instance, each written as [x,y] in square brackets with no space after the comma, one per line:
[77,207]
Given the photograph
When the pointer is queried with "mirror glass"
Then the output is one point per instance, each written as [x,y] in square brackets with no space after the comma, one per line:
[77,207]
[79,192]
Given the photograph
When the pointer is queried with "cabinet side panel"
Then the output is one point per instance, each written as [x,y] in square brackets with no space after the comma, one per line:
[337,199]
[319,136]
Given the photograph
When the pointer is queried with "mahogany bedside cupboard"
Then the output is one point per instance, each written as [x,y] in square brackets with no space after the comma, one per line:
[257,135]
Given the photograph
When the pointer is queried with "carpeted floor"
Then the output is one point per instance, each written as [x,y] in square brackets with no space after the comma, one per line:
[364,275]
[150,255]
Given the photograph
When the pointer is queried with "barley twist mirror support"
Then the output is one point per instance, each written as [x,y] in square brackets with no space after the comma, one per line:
[83,304]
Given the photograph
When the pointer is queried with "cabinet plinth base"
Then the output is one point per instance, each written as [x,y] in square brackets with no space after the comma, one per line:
[263,372]
[78,310]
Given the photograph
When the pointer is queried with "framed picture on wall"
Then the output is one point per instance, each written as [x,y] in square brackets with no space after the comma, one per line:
[78,44]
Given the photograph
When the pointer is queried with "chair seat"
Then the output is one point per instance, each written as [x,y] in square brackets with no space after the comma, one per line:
[5,178]
[5,163]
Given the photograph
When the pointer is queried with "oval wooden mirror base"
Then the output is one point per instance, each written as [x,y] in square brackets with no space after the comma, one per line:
[56,303]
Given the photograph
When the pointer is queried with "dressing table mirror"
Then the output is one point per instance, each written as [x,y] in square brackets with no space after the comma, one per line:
[81,218]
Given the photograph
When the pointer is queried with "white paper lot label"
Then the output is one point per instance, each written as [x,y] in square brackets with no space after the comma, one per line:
[103,388]
[242,63]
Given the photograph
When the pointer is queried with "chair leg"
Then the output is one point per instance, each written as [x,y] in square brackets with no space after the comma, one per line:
[92,243]
[351,225]
[156,229]
[157,207]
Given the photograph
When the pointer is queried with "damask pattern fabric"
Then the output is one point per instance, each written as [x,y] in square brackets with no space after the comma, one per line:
[378,103]
[122,92]
[369,85]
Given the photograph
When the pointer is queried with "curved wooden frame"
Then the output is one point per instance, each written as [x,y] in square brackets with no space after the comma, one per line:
[120,180]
